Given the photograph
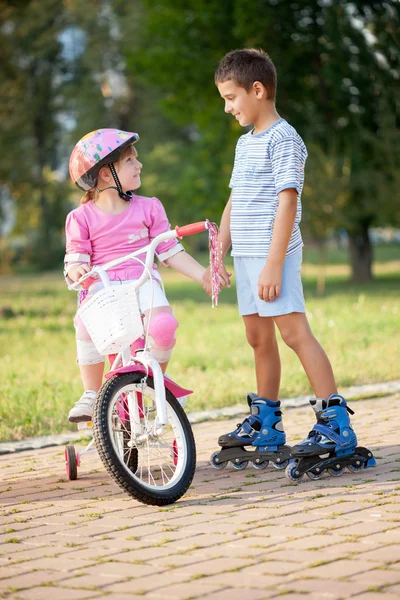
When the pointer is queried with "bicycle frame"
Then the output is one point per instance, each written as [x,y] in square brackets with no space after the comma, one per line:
[143,361]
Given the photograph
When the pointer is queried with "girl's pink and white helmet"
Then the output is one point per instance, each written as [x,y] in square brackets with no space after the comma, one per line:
[93,151]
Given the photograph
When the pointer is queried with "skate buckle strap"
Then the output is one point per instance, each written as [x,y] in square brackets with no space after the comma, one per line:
[329,433]
[246,427]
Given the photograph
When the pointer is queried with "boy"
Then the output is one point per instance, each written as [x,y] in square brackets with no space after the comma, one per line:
[261,222]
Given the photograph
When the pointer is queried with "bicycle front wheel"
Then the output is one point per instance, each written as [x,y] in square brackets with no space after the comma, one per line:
[154,465]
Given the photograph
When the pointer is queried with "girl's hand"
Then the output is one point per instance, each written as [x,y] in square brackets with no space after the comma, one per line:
[206,282]
[223,279]
[76,271]
[269,283]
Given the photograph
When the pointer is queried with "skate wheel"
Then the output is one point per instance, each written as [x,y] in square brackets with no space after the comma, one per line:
[71,463]
[314,475]
[355,468]
[261,464]
[216,463]
[291,473]
[239,465]
[281,465]
[336,471]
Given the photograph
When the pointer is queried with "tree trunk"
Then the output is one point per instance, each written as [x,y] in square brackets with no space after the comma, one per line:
[361,255]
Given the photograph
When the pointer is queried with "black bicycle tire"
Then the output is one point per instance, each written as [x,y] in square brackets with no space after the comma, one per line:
[112,464]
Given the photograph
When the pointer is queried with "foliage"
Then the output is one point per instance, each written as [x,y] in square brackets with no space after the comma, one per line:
[212,357]
[338,72]
[69,67]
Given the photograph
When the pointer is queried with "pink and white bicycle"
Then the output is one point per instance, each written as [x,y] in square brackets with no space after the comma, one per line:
[140,429]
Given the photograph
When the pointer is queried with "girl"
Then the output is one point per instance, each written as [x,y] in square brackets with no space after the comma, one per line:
[110,222]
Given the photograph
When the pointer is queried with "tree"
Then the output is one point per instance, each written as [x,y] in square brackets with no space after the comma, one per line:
[338,71]
[32,66]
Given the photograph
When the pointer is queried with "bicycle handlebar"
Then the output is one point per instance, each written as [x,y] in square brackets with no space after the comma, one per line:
[191,229]
[178,232]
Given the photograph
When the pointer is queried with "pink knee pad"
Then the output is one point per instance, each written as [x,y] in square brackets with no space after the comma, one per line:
[162,330]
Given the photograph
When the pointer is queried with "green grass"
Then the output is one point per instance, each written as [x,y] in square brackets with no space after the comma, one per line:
[356,324]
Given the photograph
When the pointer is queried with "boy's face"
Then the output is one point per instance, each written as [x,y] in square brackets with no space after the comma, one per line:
[243,105]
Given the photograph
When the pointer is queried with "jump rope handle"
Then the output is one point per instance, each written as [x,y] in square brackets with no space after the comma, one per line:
[214,251]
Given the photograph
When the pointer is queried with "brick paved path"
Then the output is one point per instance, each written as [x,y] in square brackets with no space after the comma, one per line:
[236,535]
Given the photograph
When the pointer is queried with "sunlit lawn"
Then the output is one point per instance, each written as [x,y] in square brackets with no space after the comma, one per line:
[358,325]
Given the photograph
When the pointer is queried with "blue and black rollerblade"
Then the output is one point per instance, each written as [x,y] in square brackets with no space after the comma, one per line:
[262,431]
[330,446]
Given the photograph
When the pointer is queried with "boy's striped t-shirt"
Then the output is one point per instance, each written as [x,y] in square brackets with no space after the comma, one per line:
[265,164]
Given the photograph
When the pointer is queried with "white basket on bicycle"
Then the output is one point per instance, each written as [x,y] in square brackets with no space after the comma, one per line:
[112,318]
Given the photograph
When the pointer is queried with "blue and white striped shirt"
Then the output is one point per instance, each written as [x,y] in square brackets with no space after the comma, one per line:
[265,164]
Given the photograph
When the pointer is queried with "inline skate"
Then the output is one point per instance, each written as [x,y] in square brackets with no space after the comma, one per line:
[330,446]
[262,431]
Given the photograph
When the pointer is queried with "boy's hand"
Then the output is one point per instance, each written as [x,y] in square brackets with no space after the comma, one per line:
[223,279]
[76,271]
[269,283]
[224,276]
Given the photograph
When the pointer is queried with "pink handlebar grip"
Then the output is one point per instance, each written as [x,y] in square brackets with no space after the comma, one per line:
[191,229]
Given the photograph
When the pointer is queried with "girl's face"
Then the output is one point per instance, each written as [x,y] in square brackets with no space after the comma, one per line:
[128,170]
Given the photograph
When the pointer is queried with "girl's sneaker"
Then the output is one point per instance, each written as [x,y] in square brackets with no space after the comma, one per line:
[83,409]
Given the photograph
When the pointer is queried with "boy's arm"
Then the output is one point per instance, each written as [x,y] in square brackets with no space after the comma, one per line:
[269,283]
[224,236]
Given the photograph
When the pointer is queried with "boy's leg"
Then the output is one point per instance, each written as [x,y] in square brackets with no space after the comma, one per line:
[263,429]
[260,333]
[296,333]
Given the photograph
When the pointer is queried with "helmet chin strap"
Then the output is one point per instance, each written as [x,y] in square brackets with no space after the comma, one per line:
[124,195]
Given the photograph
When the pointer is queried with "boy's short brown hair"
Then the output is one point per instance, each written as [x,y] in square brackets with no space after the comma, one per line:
[247,66]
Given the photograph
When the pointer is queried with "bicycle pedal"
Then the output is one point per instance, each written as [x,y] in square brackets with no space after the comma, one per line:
[85,425]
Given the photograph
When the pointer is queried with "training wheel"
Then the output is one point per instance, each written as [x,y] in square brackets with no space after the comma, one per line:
[71,463]
[216,463]
[291,473]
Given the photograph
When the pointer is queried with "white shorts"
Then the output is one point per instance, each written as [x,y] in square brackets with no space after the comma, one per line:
[247,273]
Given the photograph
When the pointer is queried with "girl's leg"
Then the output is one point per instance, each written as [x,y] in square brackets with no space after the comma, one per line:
[296,333]
[260,332]
[91,365]
[92,376]
[162,331]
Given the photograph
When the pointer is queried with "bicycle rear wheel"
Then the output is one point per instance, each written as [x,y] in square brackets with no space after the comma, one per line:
[154,467]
